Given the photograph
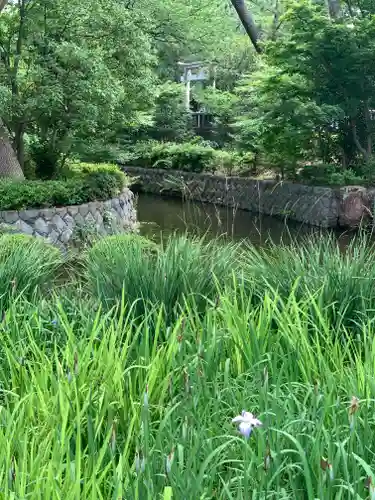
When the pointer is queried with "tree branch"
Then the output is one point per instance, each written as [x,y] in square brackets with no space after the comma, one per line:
[359,146]
[3,4]
[247,22]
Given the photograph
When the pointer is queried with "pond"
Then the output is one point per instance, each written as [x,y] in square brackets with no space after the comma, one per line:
[160,214]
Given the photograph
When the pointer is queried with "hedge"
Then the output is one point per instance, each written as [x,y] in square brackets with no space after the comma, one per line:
[83,183]
[187,156]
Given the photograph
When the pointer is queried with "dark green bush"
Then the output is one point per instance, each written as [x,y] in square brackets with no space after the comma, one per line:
[86,183]
[329,174]
[45,157]
[187,157]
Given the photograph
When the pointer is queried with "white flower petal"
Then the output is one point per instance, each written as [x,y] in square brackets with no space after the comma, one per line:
[256,423]
[247,416]
[237,419]
[245,429]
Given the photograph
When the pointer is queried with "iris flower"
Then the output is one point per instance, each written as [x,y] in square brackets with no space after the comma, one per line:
[246,422]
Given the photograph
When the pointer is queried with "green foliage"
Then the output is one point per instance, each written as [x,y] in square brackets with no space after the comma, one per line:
[171,120]
[82,169]
[182,270]
[76,78]
[282,118]
[312,97]
[94,151]
[329,174]
[191,157]
[45,158]
[87,183]
[224,162]
[97,400]
[222,104]
[76,84]
[27,265]
[341,282]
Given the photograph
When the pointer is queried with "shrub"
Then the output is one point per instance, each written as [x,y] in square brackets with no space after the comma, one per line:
[26,263]
[329,174]
[186,157]
[81,169]
[223,161]
[96,151]
[84,184]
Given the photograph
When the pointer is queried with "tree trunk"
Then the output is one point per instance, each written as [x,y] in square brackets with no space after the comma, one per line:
[364,152]
[9,164]
[19,143]
[334,9]
[3,4]
[248,22]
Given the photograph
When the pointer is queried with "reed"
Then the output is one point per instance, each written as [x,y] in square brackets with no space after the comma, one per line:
[98,401]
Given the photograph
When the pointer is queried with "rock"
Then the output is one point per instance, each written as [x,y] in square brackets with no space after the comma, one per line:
[23,227]
[83,209]
[89,219]
[60,211]
[41,226]
[115,203]
[99,219]
[69,221]
[26,215]
[53,236]
[79,220]
[66,235]
[93,206]
[355,207]
[58,223]
[47,213]
[10,216]
[73,210]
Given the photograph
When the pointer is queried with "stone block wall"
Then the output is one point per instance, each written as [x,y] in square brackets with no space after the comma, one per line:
[59,224]
[314,205]
[309,204]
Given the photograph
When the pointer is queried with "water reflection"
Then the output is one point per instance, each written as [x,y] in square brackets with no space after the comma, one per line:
[167,215]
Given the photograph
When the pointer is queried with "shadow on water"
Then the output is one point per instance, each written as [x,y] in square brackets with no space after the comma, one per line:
[166,215]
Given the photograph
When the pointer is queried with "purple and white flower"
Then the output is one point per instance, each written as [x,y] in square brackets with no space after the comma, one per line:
[246,423]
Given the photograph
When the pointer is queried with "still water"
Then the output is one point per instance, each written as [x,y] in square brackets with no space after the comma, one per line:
[158,214]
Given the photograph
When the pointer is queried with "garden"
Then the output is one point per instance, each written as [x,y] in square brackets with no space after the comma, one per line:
[184,367]
[187,369]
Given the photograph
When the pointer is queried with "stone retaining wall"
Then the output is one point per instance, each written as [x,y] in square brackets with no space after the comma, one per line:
[314,205]
[60,224]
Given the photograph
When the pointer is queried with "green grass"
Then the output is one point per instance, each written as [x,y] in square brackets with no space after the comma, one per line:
[180,270]
[74,371]
[27,265]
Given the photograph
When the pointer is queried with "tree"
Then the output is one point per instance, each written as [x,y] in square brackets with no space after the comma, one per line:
[71,72]
[280,119]
[9,165]
[171,120]
[314,97]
